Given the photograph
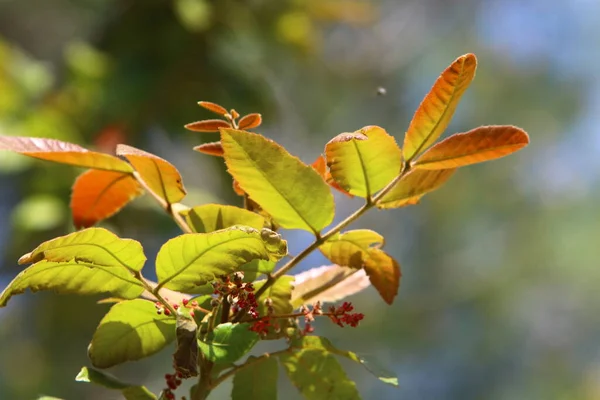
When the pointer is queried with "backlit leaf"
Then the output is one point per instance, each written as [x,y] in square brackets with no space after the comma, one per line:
[160,176]
[96,246]
[99,194]
[256,382]
[63,152]
[255,268]
[384,274]
[213,217]
[316,372]
[74,277]
[214,107]
[350,249]
[207,125]
[283,185]
[129,391]
[413,186]
[131,330]
[192,260]
[212,149]
[327,284]
[250,121]
[478,145]
[228,342]
[437,108]
[365,161]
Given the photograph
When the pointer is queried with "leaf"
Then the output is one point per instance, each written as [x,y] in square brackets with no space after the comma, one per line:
[228,342]
[207,125]
[413,186]
[317,374]
[350,249]
[437,108]
[99,194]
[478,145]
[192,260]
[327,284]
[320,165]
[363,162]
[250,121]
[213,217]
[73,277]
[283,185]
[96,246]
[257,381]
[212,149]
[384,274]
[63,152]
[131,330]
[214,107]
[316,342]
[255,268]
[160,176]
[130,392]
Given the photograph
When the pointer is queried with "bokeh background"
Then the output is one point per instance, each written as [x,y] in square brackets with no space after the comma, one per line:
[499,297]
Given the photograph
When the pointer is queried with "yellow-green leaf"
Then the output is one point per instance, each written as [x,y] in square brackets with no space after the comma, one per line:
[280,183]
[350,249]
[384,274]
[263,370]
[160,175]
[131,330]
[413,186]
[129,391]
[365,161]
[478,145]
[192,260]
[435,112]
[213,217]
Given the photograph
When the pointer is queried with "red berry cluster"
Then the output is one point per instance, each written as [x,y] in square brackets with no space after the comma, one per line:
[161,309]
[173,382]
[238,293]
[342,315]
[262,325]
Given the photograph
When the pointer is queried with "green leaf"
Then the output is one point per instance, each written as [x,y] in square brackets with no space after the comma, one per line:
[363,162]
[228,342]
[213,217]
[74,278]
[256,268]
[96,246]
[283,185]
[317,374]
[130,392]
[350,249]
[413,186]
[257,381]
[192,260]
[131,330]
[316,342]
[281,295]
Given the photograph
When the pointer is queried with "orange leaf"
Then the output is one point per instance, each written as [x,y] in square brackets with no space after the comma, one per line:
[207,125]
[214,107]
[159,175]
[480,144]
[413,186]
[98,195]
[434,113]
[320,165]
[250,121]
[384,274]
[237,189]
[63,152]
[212,149]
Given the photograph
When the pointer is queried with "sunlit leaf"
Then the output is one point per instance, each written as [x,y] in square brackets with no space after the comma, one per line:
[214,107]
[320,165]
[96,246]
[384,274]
[228,342]
[131,330]
[192,260]
[316,372]
[207,125]
[63,152]
[99,194]
[413,186]
[212,149]
[256,382]
[213,217]
[478,145]
[250,121]
[129,391]
[255,268]
[327,284]
[365,161]
[435,112]
[350,249]
[160,176]
[283,185]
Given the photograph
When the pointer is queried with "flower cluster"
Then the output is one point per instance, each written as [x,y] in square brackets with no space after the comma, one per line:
[238,293]
[342,315]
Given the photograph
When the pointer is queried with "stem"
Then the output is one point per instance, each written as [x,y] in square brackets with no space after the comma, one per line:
[155,293]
